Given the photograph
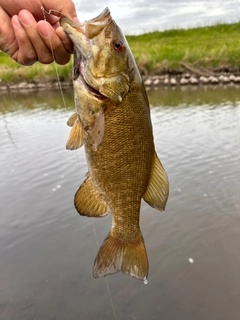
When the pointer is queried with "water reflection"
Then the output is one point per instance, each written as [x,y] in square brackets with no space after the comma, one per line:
[47,250]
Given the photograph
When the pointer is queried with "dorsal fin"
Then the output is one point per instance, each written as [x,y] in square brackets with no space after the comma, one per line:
[157,191]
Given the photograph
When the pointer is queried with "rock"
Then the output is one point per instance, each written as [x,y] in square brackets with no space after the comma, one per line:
[232,77]
[237,79]
[30,86]
[41,85]
[187,75]
[22,85]
[184,81]
[156,82]
[213,80]
[3,88]
[204,80]
[14,87]
[224,79]
[193,80]
[148,82]
[166,81]
[173,82]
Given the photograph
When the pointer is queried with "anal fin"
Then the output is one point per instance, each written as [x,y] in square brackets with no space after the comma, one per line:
[157,191]
[88,202]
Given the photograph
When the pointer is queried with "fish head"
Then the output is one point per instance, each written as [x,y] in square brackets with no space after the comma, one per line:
[102,56]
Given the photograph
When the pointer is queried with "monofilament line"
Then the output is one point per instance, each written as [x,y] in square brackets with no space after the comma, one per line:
[54,61]
[107,284]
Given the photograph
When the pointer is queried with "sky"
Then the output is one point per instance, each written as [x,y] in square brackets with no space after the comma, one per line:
[139,16]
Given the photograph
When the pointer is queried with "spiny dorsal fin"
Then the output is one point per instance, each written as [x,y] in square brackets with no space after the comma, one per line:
[72,119]
[157,191]
[88,202]
[76,136]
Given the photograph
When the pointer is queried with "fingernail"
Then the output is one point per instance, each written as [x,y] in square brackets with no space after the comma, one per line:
[45,29]
[16,22]
[26,17]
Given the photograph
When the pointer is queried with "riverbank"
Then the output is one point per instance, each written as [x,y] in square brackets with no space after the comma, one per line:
[167,80]
[195,56]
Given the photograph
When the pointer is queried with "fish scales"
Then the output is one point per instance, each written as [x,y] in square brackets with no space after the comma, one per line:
[127,181]
[113,122]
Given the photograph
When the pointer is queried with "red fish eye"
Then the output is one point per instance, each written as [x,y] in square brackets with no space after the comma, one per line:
[118,45]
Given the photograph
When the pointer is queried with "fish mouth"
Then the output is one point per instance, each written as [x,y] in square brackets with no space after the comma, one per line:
[78,67]
[81,35]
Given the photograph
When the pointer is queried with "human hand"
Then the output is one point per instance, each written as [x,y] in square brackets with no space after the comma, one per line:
[27,38]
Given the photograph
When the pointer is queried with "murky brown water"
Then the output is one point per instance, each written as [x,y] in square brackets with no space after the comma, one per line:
[47,251]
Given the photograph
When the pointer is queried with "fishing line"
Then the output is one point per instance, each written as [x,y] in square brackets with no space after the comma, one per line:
[64,102]
[107,284]
[8,130]
[54,61]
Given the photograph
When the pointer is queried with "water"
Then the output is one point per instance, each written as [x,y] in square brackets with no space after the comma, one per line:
[47,250]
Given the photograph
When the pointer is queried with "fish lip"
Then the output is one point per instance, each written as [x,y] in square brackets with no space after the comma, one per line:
[102,16]
[77,72]
[92,90]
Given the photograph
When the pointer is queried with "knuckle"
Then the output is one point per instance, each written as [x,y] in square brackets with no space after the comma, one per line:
[28,59]
[46,58]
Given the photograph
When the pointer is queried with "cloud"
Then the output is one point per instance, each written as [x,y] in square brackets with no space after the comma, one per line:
[140,16]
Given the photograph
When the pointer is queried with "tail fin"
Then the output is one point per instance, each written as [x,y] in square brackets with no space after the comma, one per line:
[128,256]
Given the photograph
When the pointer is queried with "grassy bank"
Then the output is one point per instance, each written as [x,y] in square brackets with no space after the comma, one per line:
[197,50]
[14,72]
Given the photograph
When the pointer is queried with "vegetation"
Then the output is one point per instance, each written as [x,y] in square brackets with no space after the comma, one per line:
[196,49]
[14,72]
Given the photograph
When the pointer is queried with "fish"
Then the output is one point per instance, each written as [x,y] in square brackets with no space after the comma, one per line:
[113,123]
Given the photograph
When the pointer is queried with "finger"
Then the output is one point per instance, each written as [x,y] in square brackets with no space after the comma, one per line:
[68,45]
[68,9]
[25,53]
[54,43]
[42,51]
[8,41]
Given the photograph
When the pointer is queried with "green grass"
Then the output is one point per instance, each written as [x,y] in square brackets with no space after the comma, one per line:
[12,71]
[203,47]
[195,49]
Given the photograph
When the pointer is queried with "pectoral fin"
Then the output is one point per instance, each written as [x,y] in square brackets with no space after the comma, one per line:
[72,119]
[76,136]
[88,202]
[97,130]
[157,191]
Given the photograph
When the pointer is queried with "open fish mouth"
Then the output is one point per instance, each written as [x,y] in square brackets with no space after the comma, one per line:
[81,35]
[78,72]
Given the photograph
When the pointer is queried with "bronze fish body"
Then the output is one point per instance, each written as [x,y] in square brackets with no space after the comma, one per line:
[113,123]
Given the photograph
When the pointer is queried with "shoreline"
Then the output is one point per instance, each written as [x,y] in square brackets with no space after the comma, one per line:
[150,81]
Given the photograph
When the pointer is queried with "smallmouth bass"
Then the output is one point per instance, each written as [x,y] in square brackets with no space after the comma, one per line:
[112,121]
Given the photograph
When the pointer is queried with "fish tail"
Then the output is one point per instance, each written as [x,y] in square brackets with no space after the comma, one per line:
[128,256]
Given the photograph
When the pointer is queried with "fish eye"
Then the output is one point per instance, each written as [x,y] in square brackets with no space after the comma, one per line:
[118,45]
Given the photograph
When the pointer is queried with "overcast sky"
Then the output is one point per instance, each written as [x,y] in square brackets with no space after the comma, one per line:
[138,16]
